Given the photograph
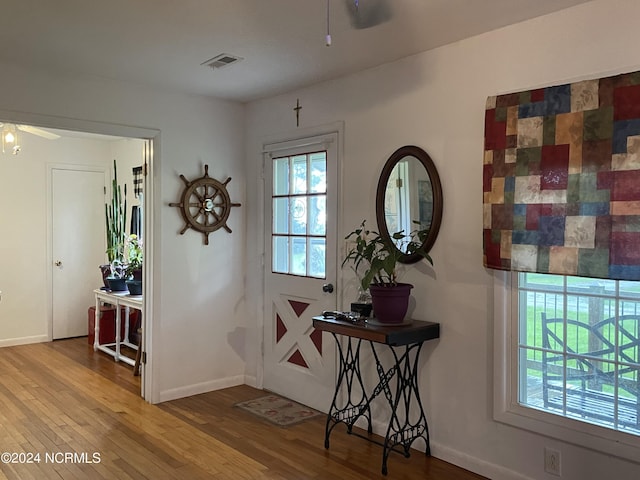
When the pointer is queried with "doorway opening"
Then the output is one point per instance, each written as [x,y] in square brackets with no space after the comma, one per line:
[54,192]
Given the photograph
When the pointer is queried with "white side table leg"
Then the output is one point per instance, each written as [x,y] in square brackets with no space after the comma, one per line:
[127,312]
[96,324]
[118,339]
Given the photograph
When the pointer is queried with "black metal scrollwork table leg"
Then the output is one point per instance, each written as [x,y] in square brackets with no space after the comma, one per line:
[356,404]
[410,422]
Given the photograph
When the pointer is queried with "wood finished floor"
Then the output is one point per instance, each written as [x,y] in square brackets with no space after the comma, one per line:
[62,397]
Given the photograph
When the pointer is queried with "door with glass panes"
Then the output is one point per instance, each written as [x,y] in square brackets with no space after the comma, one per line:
[300,268]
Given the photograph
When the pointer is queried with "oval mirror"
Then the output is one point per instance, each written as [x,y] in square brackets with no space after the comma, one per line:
[409,198]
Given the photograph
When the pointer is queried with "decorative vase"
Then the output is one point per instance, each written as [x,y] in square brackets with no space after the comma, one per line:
[117,284]
[390,303]
[134,286]
[105,270]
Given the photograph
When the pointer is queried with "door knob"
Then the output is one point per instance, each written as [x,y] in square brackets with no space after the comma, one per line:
[58,263]
[327,288]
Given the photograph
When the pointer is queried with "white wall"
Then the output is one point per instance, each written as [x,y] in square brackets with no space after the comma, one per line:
[199,303]
[436,100]
[128,153]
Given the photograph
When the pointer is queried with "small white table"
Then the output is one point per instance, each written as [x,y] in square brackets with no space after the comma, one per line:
[118,300]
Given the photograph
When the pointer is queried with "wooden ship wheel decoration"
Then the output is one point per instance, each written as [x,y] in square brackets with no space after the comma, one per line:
[205,205]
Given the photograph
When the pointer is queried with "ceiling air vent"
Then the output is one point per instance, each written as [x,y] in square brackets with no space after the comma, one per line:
[221,60]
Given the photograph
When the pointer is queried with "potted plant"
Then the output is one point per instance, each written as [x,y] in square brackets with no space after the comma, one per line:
[116,221]
[133,271]
[379,258]
[117,276]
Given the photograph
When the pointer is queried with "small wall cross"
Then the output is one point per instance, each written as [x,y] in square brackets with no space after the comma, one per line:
[297,109]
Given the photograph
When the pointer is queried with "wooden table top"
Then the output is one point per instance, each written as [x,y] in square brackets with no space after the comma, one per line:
[413,331]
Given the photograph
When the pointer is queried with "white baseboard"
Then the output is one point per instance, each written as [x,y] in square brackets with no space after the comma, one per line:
[474,464]
[455,457]
[11,342]
[198,388]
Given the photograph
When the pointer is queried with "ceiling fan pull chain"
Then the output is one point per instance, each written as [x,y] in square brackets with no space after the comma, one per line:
[328,37]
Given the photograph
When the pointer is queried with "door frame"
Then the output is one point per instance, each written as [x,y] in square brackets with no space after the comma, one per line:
[286,140]
[149,388]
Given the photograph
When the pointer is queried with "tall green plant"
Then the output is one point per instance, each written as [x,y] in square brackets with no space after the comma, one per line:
[116,219]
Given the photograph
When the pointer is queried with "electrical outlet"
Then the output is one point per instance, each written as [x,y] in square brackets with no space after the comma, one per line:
[552,461]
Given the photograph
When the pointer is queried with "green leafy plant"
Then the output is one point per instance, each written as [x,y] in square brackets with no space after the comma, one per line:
[116,220]
[379,257]
[117,269]
[134,254]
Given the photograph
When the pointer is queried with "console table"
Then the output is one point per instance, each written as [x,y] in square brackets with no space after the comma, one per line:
[118,300]
[408,421]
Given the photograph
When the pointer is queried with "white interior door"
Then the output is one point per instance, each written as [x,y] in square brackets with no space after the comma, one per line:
[300,259]
[78,246]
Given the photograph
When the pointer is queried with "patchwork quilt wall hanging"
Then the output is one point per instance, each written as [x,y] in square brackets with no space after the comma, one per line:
[561,179]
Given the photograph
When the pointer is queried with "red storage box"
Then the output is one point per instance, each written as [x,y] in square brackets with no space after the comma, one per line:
[108,323]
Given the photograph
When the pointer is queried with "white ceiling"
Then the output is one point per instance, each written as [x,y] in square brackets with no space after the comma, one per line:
[282,42]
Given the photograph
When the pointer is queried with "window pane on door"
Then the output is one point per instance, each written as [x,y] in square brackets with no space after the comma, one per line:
[317,247]
[281,215]
[299,215]
[318,177]
[299,225]
[280,256]
[317,215]
[281,176]
[298,255]
[299,164]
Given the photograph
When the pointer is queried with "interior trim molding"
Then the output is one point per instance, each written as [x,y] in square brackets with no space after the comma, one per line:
[198,388]
[474,464]
[81,125]
[12,342]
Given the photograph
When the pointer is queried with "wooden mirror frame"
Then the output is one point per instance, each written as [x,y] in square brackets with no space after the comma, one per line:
[424,158]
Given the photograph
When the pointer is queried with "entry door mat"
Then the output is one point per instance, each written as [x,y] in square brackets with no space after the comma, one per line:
[278,410]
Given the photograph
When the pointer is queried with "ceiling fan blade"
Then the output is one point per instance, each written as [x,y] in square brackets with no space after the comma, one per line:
[38,131]
[368,13]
